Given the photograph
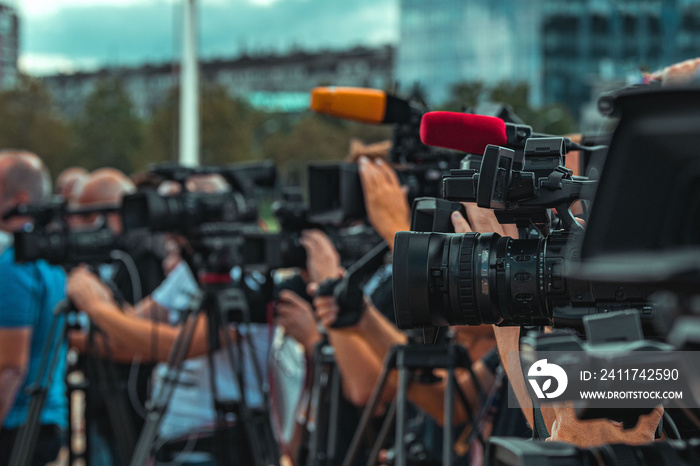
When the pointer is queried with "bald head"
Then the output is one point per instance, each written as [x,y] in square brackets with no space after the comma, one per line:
[22,171]
[67,180]
[104,188]
[210,184]
[23,180]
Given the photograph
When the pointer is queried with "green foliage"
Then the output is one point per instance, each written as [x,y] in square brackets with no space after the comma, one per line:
[316,138]
[551,119]
[107,132]
[227,128]
[463,95]
[29,122]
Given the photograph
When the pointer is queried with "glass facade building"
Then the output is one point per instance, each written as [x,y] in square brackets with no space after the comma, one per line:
[443,42]
[564,49]
[587,42]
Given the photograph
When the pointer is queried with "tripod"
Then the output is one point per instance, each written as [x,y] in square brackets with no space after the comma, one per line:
[29,432]
[321,448]
[223,304]
[410,360]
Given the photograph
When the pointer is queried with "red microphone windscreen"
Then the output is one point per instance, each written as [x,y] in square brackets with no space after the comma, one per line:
[462,131]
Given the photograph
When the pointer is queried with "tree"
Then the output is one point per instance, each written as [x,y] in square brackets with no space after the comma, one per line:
[551,119]
[108,131]
[316,138]
[30,122]
[227,128]
[463,95]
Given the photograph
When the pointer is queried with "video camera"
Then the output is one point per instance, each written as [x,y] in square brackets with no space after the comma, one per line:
[471,279]
[221,227]
[48,237]
[645,235]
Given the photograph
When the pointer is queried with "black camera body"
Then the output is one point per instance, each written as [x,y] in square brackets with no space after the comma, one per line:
[336,195]
[521,189]
[49,238]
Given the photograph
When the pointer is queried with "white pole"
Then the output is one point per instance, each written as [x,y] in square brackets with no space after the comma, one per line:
[189,88]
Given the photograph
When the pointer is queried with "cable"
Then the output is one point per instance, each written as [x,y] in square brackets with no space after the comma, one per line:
[133,272]
[136,292]
[670,427]
[132,389]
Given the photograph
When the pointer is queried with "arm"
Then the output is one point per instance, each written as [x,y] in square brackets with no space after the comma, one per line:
[92,297]
[147,308]
[138,334]
[357,363]
[376,333]
[117,351]
[14,360]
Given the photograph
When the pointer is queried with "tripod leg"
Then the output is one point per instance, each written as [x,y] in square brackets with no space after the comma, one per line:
[449,403]
[331,435]
[369,409]
[29,433]
[401,398]
[389,420]
[116,411]
[319,399]
[156,410]
[222,438]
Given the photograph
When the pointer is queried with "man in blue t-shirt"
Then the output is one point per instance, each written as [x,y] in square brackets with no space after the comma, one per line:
[28,294]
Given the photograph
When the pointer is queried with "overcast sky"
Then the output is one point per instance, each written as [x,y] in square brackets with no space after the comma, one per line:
[67,35]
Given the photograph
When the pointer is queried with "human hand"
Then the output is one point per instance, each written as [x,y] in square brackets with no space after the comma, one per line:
[86,291]
[295,314]
[678,73]
[385,200]
[322,259]
[568,428]
[481,220]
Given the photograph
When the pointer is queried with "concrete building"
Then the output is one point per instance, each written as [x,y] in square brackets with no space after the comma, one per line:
[279,83]
[9,31]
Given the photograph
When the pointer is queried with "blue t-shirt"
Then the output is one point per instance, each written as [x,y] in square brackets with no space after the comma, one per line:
[28,295]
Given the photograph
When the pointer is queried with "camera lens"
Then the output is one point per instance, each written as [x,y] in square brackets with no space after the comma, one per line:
[445,279]
[444,263]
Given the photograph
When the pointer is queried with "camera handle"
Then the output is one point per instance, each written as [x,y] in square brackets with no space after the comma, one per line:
[348,289]
[409,360]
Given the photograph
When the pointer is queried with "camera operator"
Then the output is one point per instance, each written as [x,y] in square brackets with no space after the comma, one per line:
[29,294]
[190,414]
[104,189]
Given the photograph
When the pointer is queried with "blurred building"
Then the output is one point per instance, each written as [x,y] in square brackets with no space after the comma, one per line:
[278,83]
[564,49]
[9,26]
[444,42]
[588,43]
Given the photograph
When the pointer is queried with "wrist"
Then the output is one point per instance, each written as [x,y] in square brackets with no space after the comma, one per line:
[310,342]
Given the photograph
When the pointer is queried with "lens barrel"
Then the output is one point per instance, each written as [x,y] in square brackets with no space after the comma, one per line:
[442,279]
